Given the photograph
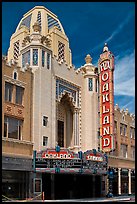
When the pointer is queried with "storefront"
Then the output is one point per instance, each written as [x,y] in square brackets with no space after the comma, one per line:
[123,182]
[63,174]
[16,174]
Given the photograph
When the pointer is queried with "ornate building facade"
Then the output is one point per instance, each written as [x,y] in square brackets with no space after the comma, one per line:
[64,103]
[58,88]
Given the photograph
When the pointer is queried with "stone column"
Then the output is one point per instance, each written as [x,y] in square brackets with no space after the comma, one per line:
[76,127]
[129,181]
[119,181]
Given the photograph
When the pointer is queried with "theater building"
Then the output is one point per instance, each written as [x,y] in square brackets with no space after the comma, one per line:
[72,112]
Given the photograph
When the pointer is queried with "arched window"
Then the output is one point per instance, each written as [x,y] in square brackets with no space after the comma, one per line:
[15,75]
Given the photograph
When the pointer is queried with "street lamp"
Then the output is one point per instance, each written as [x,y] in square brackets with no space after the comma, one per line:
[110,177]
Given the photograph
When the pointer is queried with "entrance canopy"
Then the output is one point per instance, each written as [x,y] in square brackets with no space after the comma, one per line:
[65,161]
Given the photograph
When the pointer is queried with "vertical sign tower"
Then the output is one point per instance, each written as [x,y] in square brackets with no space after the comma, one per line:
[106,69]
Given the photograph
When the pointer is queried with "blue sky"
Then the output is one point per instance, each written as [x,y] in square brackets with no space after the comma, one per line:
[88,26]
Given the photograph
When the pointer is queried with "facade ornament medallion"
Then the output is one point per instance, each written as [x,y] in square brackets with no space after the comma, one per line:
[36,27]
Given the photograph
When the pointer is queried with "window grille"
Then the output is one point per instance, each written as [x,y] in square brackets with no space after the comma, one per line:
[16,50]
[39,18]
[61,51]
[52,22]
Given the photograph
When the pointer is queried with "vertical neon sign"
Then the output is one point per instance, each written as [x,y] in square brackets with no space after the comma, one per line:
[106,68]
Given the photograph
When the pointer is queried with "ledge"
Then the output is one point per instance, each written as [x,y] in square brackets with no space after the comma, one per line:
[17,141]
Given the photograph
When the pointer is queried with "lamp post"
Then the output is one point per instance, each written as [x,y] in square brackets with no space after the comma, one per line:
[80,153]
[110,177]
[57,168]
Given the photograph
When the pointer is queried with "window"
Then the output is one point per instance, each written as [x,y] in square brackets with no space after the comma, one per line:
[115,126]
[37,185]
[39,18]
[121,129]
[16,50]
[123,117]
[125,130]
[26,58]
[60,133]
[43,58]
[5,127]
[90,84]
[45,141]
[15,75]
[132,152]
[123,150]
[52,22]
[48,60]
[35,57]
[26,21]
[45,120]
[131,133]
[19,94]
[8,91]
[12,128]
[61,50]
[96,85]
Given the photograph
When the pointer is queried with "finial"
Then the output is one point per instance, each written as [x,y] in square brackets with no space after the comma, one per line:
[36,27]
[105,49]
[88,59]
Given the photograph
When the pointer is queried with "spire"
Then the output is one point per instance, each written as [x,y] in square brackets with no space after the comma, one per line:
[88,59]
[105,49]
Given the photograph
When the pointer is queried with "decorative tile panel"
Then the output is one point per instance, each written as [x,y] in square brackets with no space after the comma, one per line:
[62,86]
[14,110]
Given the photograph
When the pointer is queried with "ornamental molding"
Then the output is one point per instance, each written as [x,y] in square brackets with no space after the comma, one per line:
[14,81]
[45,40]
